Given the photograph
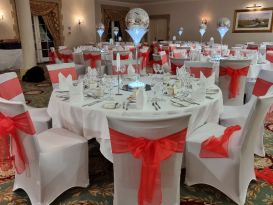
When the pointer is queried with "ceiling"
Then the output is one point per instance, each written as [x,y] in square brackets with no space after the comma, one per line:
[142,1]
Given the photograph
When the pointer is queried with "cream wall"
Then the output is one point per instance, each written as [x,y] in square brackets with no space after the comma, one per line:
[72,10]
[189,14]
[6,25]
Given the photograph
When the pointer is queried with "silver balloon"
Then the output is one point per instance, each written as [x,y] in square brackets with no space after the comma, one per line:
[203,26]
[137,18]
[100,26]
[224,22]
[116,30]
[180,31]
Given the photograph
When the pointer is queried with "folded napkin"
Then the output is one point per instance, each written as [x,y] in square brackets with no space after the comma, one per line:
[207,82]
[64,82]
[92,72]
[182,71]
[76,93]
[141,98]
[199,92]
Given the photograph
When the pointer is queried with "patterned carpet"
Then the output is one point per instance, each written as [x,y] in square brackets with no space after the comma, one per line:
[100,190]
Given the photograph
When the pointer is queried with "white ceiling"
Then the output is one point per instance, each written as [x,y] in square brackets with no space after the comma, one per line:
[146,1]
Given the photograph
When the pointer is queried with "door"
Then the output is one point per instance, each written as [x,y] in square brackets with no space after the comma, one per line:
[43,39]
[159,28]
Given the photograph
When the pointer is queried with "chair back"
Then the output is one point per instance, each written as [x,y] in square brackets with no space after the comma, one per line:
[124,55]
[252,46]
[269,47]
[177,62]
[227,82]
[66,55]
[64,68]
[180,53]
[195,67]
[127,169]
[92,58]
[10,87]
[28,141]
[263,82]
[269,56]
[124,65]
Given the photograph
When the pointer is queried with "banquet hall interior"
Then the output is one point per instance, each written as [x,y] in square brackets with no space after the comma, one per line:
[136,102]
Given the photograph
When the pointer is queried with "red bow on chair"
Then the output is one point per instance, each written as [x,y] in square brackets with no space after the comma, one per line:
[8,130]
[145,58]
[52,56]
[214,147]
[235,75]
[152,152]
[66,57]
[174,68]
[93,59]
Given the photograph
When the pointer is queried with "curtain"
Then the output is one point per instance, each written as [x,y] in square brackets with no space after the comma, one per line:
[50,14]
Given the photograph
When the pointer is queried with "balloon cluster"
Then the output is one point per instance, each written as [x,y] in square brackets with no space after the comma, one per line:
[116,30]
[180,31]
[100,29]
[223,25]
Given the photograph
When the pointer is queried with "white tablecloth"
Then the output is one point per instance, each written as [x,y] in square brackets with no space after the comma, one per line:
[10,59]
[91,121]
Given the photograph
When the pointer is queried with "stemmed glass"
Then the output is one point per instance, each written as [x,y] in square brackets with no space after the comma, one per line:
[120,70]
[109,82]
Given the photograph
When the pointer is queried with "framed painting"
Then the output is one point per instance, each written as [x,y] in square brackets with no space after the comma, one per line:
[247,21]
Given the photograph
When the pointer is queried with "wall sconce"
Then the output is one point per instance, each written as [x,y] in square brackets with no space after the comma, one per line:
[254,6]
[1,16]
[204,21]
[80,21]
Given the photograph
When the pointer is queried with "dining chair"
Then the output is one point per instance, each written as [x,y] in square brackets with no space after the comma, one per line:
[180,53]
[144,56]
[196,67]
[222,158]
[53,57]
[48,164]
[66,55]
[177,63]
[124,55]
[64,68]
[92,58]
[231,114]
[252,46]
[124,66]
[10,89]
[161,59]
[147,158]
[232,80]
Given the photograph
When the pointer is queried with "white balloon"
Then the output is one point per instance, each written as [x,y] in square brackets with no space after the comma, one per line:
[137,18]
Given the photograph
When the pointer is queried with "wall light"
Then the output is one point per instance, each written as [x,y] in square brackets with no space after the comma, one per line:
[80,21]
[204,21]
[254,6]
[1,16]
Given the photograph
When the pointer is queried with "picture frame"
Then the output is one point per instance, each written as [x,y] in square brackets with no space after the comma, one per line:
[253,20]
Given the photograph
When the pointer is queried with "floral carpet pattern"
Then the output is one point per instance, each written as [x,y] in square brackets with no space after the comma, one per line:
[100,190]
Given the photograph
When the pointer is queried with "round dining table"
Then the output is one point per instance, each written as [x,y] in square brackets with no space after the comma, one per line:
[88,117]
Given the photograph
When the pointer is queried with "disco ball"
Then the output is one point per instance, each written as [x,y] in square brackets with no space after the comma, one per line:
[137,18]
[224,22]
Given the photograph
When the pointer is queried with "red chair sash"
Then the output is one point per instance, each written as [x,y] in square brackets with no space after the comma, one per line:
[235,75]
[269,57]
[261,87]
[8,130]
[217,147]
[269,49]
[265,174]
[151,152]
[163,59]
[174,67]
[93,59]
[10,89]
[66,58]
[196,71]
[122,57]
[53,74]
[145,58]
[52,57]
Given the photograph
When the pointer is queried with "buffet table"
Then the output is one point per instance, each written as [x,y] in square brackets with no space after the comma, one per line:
[10,59]
[89,117]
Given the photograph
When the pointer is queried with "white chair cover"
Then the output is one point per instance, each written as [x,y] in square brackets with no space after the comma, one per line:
[230,175]
[58,160]
[225,80]
[127,169]
[10,89]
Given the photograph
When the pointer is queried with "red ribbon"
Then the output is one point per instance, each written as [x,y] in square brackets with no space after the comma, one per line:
[10,89]
[54,74]
[66,58]
[174,67]
[217,147]
[145,58]
[235,75]
[265,174]
[196,71]
[261,87]
[269,49]
[122,57]
[269,57]
[93,59]
[52,56]
[151,152]
[8,129]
